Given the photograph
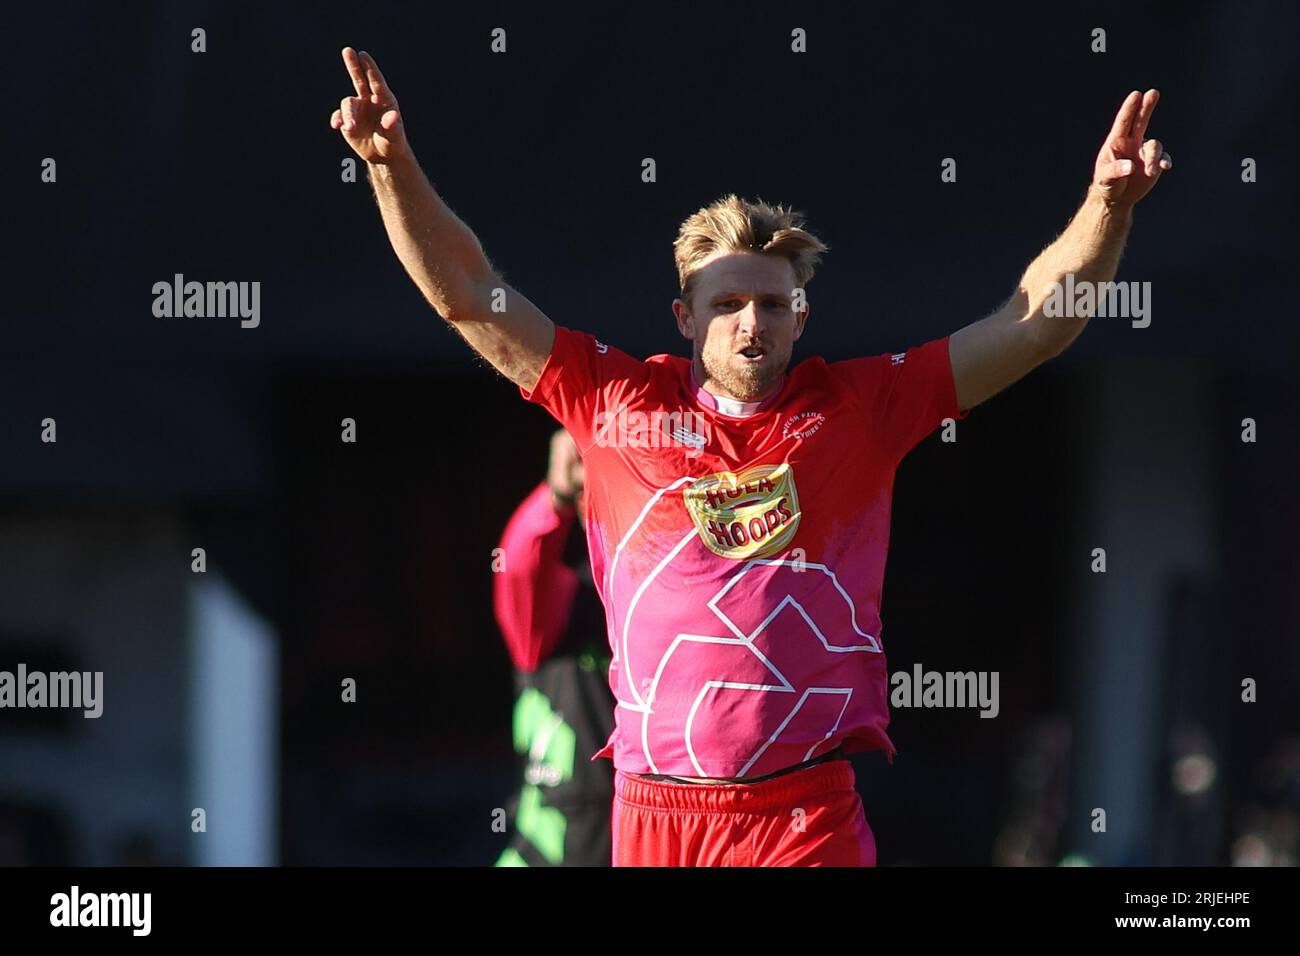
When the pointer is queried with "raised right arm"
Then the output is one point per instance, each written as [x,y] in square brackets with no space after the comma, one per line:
[440,253]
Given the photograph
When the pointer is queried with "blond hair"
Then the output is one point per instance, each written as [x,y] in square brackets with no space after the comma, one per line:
[732,224]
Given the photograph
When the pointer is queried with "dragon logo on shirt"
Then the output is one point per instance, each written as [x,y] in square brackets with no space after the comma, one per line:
[747,514]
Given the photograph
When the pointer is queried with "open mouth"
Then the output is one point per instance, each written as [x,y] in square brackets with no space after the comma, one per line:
[754,353]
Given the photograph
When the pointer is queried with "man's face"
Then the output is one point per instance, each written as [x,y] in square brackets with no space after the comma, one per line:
[741,321]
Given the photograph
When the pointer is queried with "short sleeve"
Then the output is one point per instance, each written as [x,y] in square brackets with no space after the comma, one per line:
[581,379]
[904,396]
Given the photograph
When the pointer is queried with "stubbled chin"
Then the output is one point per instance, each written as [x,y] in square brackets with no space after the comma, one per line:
[745,380]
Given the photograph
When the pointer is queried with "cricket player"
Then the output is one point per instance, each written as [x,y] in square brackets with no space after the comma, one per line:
[737,508]
[551,617]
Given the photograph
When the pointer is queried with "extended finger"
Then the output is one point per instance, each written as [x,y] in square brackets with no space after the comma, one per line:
[1149,101]
[355,71]
[380,93]
[1128,111]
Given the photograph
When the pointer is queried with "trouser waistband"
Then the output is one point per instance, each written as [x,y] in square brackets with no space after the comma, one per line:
[773,793]
[836,753]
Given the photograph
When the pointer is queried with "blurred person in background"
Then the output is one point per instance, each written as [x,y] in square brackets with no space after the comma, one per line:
[1031,834]
[1267,829]
[554,627]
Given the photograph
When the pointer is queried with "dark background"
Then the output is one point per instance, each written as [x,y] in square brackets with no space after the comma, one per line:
[372,560]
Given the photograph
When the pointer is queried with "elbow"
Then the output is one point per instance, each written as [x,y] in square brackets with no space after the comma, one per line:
[1053,336]
[456,306]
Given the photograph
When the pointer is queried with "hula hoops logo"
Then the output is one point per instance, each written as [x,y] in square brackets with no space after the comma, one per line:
[750,514]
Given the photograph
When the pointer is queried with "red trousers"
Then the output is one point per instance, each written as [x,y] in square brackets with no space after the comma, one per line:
[811,817]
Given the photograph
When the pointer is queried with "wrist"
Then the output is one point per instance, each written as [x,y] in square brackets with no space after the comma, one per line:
[388,166]
[1104,203]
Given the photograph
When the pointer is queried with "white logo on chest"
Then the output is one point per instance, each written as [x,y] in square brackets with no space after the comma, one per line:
[803,425]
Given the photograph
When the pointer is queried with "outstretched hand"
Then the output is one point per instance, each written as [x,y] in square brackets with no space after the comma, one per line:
[370,121]
[1128,167]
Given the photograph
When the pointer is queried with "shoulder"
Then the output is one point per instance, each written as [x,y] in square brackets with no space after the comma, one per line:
[816,371]
[670,363]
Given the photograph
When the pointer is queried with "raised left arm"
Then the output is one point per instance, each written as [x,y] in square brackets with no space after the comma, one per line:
[999,350]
